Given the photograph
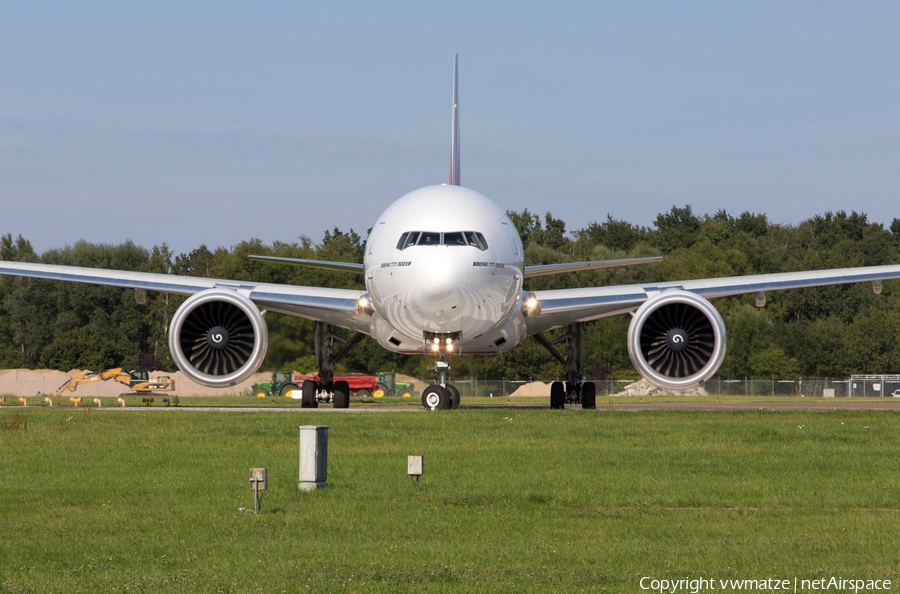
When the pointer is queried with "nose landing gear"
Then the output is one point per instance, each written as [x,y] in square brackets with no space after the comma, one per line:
[441,395]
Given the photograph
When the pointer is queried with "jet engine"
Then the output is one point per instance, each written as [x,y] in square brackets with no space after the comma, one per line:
[676,340]
[218,338]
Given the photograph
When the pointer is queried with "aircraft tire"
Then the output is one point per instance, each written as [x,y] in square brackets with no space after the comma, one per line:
[341,395]
[589,395]
[308,395]
[435,397]
[454,396]
[557,396]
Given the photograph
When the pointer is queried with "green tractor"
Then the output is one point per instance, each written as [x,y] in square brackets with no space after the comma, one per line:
[281,383]
[389,386]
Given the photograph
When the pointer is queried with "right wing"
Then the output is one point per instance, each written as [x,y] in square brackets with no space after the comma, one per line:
[561,307]
[334,306]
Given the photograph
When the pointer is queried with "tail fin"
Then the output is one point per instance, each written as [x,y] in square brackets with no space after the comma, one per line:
[454,126]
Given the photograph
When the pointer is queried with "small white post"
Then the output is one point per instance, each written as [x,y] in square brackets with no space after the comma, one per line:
[313,457]
[415,467]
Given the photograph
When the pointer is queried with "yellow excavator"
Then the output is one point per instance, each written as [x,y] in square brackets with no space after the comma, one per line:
[137,379]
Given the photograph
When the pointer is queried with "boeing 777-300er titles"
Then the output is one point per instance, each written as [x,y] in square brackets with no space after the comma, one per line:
[444,274]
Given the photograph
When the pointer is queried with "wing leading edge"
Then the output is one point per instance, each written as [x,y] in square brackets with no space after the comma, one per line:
[567,306]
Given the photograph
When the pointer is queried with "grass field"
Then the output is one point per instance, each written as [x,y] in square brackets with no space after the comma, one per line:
[511,501]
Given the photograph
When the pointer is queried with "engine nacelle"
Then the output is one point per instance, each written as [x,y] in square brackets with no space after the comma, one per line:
[218,338]
[676,340]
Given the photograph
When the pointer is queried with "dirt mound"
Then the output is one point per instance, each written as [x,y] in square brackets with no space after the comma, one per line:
[418,385]
[25,382]
[28,382]
[645,388]
[532,389]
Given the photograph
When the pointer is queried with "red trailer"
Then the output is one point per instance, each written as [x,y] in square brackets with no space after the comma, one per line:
[360,385]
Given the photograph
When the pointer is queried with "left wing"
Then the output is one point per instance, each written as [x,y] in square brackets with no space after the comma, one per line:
[326,264]
[567,306]
[334,306]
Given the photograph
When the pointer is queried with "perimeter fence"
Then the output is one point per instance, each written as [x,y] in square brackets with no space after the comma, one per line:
[855,386]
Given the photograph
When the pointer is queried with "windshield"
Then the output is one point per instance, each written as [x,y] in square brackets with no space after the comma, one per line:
[450,238]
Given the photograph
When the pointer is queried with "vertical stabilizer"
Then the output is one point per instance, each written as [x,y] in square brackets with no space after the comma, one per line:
[454,126]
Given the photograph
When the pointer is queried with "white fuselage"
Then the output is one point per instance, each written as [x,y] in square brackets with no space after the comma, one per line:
[458,272]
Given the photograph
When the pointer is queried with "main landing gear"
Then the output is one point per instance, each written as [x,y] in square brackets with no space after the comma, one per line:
[326,389]
[575,389]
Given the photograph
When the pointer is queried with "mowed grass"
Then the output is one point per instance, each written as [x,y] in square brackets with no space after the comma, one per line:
[511,500]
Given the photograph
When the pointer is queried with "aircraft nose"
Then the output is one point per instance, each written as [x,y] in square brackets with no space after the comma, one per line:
[441,275]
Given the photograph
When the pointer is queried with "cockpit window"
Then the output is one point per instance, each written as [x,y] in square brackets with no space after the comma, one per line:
[411,240]
[455,238]
[476,239]
[429,238]
[451,238]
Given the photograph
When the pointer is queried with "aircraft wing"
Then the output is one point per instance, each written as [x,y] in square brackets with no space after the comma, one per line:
[334,306]
[573,266]
[326,264]
[567,306]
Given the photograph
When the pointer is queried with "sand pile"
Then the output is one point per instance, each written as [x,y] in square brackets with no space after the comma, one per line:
[30,382]
[644,388]
[532,389]
[418,385]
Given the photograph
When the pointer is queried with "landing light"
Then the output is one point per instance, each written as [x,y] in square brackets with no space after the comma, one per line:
[531,305]
[364,304]
[435,347]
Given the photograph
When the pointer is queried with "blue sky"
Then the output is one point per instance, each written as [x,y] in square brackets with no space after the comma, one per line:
[192,123]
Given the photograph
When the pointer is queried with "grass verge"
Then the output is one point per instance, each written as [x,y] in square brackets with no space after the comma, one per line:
[511,500]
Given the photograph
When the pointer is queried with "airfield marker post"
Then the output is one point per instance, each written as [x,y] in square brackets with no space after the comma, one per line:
[258,482]
[313,457]
[414,467]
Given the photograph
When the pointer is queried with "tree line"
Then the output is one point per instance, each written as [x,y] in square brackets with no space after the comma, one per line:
[826,331]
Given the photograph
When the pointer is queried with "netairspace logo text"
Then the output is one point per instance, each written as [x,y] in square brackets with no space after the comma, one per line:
[697,585]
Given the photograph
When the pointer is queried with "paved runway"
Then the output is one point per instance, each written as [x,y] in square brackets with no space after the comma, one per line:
[811,405]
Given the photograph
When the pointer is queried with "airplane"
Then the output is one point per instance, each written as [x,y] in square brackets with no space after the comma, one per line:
[444,275]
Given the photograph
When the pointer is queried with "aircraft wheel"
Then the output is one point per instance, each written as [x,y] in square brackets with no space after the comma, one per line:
[557,395]
[589,395]
[287,388]
[435,397]
[341,395]
[364,393]
[454,396]
[308,395]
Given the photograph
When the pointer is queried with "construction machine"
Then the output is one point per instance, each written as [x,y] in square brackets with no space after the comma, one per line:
[137,379]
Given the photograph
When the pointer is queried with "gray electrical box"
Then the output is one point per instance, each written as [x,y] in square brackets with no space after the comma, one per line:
[259,479]
[313,457]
